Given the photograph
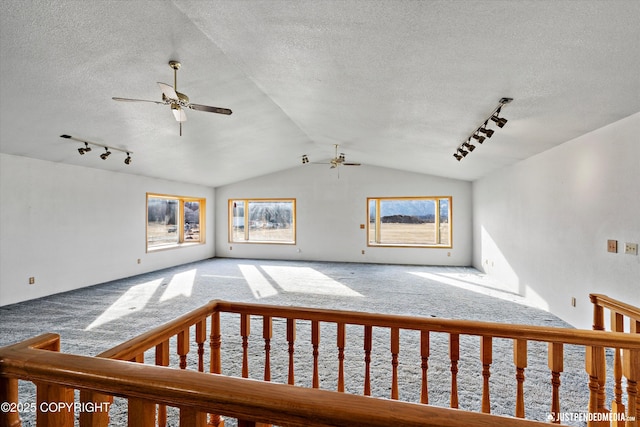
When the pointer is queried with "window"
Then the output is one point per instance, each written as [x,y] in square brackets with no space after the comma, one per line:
[174,221]
[409,221]
[262,221]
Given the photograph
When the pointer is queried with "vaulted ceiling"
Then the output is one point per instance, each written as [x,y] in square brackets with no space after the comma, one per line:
[397,84]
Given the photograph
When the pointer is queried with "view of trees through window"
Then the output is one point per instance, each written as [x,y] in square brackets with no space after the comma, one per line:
[418,221]
[265,221]
[173,220]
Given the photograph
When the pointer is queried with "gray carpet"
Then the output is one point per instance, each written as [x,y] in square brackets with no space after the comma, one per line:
[96,318]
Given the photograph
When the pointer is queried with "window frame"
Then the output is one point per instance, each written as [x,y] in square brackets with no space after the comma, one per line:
[247,240]
[377,222]
[180,222]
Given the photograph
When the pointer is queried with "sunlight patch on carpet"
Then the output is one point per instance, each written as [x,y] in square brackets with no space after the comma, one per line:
[307,280]
[259,285]
[181,284]
[476,283]
[135,299]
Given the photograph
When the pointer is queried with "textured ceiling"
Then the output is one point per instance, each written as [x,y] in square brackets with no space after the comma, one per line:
[397,84]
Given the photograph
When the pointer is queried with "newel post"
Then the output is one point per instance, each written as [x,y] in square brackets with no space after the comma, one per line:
[9,388]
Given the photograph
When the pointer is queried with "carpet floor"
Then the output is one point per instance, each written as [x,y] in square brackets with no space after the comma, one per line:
[96,318]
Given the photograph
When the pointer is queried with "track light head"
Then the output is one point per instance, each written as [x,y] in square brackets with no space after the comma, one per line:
[463,152]
[479,138]
[469,146]
[488,132]
[500,121]
[305,159]
[84,149]
[106,153]
[127,161]
[457,156]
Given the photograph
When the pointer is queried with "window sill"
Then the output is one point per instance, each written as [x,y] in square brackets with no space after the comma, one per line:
[170,246]
[405,245]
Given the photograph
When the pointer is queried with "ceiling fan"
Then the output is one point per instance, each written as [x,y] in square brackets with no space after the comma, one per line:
[338,160]
[178,101]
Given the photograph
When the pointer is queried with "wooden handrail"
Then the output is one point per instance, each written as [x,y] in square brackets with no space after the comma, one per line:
[236,397]
[137,345]
[141,343]
[612,304]
[453,326]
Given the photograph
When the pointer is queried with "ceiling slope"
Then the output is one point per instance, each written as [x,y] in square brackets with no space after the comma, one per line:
[397,84]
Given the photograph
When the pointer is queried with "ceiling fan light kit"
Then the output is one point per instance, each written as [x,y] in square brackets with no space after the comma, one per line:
[176,100]
[466,147]
[103,156]
[338,159]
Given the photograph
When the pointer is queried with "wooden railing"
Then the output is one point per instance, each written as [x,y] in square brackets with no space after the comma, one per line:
[150,389]
[621,314]
[195,393]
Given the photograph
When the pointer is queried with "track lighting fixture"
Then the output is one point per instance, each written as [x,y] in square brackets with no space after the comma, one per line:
[84,149]
[461,151]
[500,121]
[305,159]
[479,138]
[103,156]
[106,154]
[488,132]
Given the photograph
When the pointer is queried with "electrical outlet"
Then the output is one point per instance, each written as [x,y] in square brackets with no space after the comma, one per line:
[139,260]
[612,246]
[363,252]
[631,248]
[32,280]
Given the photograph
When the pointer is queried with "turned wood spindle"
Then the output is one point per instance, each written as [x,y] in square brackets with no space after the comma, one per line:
[395,350]
[341,341]
[201,337]
[267,333]
[486,356]
[454,356]
[315,342]
[368,335]
[556,365]
[162,359]
[245,330]
[424,354]
[520,361]
[183,347]
[291,338]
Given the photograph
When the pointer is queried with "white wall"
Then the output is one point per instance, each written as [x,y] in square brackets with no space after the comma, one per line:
[331,209]
[71,227]
[542,225]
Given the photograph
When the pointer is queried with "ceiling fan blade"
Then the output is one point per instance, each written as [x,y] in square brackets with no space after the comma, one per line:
[168,90]
[210,109]
[351,164]
[178,113]
[136,100]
